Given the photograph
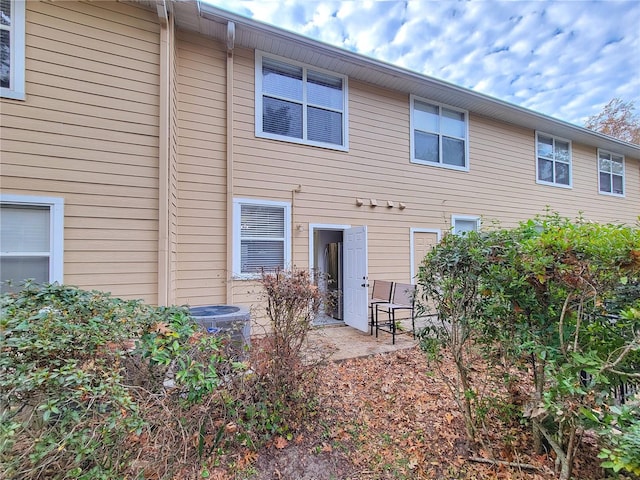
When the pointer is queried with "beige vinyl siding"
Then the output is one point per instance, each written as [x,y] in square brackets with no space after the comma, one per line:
[501,183]
[201,171]
[87,132]
[506,179]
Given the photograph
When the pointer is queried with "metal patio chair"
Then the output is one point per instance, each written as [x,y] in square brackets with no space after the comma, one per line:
[381,293]
[403,299]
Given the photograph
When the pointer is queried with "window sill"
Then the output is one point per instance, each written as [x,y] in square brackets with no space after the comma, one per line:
[439,165]
[246,276]
[300,141]
[551,184]
[608,194]
[12,94]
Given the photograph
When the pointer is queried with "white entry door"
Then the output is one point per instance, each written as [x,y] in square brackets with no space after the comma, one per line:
[355,278]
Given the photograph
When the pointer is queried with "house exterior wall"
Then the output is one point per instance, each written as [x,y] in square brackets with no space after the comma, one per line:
[500,184]
[201,172]
[88,132]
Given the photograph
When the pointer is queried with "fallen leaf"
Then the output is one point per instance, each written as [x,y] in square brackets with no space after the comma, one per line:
[162,328]
[280,443]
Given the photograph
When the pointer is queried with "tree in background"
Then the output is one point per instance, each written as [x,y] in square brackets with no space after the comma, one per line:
[618,120]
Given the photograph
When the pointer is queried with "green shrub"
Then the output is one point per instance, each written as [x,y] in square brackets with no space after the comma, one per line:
[75,368]
[551,296]
[619,428]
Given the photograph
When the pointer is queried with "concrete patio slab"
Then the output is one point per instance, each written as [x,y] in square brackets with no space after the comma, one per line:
[346,342]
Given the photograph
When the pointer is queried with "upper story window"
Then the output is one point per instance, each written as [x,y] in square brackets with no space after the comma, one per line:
[439,135]
[262,233]
[300,104]
[31,240]
[611,173]
[12,48]
[553,159]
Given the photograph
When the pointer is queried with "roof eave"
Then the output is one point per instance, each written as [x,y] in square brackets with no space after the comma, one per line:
[211,21]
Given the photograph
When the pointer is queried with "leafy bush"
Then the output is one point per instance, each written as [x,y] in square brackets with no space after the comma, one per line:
[75,368]
[95,387]
[551,296]
[449,279]
[284,363]
[619,427]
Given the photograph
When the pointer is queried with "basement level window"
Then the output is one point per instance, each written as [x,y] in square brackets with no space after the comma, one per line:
[461,224]
[31,240]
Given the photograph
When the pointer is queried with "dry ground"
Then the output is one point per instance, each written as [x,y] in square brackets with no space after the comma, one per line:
[388,417]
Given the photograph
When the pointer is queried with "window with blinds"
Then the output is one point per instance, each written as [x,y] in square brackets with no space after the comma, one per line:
[263,231]
[299,103]
[31,234]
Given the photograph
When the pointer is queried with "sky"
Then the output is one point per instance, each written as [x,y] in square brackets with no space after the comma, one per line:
[566,59]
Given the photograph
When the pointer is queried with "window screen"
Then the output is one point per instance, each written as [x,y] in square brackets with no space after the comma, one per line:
[262,238]
[25,244]
[300,103]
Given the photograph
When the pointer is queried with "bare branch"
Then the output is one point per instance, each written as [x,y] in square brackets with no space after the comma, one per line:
[524,466]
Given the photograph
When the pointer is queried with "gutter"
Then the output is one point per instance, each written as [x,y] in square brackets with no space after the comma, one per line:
[470,100]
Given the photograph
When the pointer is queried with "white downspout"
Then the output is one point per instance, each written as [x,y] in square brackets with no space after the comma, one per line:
[163,157]
[231,37]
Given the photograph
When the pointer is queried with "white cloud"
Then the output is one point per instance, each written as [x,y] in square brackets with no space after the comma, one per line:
[565,59]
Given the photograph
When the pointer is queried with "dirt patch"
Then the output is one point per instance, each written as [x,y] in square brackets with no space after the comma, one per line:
[300,462]
[389,417]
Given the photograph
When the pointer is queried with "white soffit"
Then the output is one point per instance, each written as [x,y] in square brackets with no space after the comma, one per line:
[211,21]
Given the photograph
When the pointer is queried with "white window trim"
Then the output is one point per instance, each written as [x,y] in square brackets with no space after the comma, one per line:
[554,184]
[412,99]
[237,250]
[470,218]
[321,226]
[18,25]
[302,141]
[56,226]
[624,174]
